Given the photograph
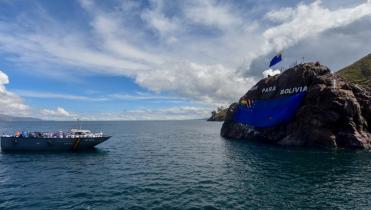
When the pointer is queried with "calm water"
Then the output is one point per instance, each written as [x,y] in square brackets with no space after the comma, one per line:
[182,165]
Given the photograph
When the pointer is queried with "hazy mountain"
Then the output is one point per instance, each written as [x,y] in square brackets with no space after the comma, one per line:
[8,118]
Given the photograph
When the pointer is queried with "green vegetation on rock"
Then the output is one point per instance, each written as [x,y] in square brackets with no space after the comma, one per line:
[219,114]
[358,72]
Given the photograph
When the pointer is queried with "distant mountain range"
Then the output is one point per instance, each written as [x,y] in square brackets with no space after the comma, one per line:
[358,72]
[8,118]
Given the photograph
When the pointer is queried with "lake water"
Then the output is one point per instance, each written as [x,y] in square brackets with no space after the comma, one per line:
[180,165]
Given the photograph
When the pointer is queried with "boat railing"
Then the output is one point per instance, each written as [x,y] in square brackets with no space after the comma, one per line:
[59,134]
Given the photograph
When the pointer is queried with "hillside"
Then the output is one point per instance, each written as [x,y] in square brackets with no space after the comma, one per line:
[358,72]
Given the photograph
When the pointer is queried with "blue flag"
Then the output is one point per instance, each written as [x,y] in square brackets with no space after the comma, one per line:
[276,59]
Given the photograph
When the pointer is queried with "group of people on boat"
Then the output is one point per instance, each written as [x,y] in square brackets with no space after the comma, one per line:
[74,133]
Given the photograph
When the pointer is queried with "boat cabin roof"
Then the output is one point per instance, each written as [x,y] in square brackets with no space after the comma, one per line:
[79,131]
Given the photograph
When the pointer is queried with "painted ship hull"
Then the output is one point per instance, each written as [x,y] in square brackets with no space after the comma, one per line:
[50,144]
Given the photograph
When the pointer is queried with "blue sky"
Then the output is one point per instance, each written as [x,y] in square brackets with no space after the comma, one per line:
[139,60]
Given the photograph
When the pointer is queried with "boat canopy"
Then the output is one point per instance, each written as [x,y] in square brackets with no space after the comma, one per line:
[80,132]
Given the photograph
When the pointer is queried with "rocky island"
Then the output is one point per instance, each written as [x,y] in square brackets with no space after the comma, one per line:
[218,114]
[331,111]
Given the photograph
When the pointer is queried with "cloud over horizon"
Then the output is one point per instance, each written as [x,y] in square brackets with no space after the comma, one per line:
[209,52]
[10,102]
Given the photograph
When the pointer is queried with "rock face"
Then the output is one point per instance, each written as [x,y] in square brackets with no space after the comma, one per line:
[334,112]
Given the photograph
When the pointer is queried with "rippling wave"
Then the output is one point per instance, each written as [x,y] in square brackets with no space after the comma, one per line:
[180,165]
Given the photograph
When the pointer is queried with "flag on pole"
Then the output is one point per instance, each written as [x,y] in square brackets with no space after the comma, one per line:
[276,59]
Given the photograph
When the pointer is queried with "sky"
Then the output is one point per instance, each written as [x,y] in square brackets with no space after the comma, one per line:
[162,60]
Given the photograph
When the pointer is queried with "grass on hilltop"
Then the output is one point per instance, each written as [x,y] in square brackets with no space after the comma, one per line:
[358,72]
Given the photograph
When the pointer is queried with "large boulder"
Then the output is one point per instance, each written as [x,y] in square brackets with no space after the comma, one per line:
[333,113]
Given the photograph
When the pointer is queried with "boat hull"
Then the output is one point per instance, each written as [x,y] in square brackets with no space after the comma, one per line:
[49,144]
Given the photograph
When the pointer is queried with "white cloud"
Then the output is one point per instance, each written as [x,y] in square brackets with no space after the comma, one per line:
[95,97]
[310,20]
[271,72]
[161,71]
[50,95]
[13,105]
[183,62]
[62,112]
[281,15]
[166,26]
[70,51]
[171,113]
[337,47]
[3,78]
[142,96]
[110,32]
[211,13]
[10,103]
[57,113]
[206,83]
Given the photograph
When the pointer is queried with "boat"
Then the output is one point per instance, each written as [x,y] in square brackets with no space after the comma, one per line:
[75,139]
